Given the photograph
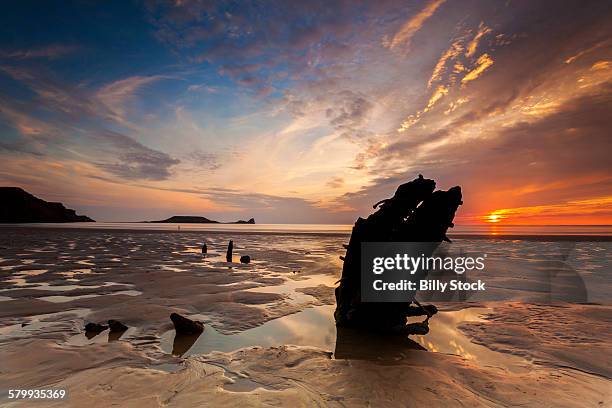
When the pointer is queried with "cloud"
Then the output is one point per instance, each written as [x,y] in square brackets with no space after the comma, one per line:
[203,88]
[129,159]
[270,48]
[335,182]
[204,160]
[438,93]
[272,209]
[454,62]
[111,151]
[601,65]
[24,123]
[453,67]
[52,51]
[21,146]
[482,64]
[530,134]
[52,95]
[265,208]
[455,49]
[142,164]
[414,24]
[117,95]
[454,105]
[349,112]
[587,51]
[473,45]
[546,161]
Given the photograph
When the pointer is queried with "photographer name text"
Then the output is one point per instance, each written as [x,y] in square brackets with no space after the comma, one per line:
[428,285]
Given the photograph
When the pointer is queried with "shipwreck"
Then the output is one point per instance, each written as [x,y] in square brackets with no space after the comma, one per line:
[416,213]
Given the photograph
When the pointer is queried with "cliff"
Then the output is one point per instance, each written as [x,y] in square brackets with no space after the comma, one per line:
[19,206]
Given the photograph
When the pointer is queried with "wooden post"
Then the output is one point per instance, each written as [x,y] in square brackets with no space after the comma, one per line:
[230,248]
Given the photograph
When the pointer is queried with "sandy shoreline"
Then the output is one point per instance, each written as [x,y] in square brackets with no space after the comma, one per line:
[270,338]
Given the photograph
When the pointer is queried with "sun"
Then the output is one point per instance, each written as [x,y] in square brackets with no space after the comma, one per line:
[494,218]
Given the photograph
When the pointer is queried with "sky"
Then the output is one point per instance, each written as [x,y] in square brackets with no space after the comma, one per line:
[308,111]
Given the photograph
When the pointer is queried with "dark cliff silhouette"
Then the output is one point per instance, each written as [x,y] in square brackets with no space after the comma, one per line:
[194,219]
[19,206]
[416,213]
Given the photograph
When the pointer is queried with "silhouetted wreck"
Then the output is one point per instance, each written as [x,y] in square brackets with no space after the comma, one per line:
[416,213]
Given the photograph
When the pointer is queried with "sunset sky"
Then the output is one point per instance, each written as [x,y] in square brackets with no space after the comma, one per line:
[308,111]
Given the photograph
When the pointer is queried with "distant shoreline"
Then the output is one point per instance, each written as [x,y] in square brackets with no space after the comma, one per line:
[80,228]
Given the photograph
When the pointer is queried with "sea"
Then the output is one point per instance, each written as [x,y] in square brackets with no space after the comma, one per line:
[486,230]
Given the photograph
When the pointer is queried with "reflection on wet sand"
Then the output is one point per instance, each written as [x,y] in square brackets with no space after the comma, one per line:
[315,326]
[91,334]
[105,336]
[64,299]
[115,335]
[446,337]
[183,342]
[355,344]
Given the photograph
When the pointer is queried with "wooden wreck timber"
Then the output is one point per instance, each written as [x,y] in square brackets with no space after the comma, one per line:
[416,213]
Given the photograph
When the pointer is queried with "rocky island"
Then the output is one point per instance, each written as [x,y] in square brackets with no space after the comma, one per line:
[193,219]
[19,206]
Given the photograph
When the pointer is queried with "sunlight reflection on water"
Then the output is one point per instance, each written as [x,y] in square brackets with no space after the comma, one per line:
[315,327]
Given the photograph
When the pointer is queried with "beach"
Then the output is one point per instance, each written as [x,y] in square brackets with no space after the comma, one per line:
[539,337]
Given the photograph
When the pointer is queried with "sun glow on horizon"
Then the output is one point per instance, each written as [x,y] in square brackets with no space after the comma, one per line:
[493,218]
[590,211]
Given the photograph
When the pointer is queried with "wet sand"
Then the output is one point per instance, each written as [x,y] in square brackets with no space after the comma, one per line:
[270,338]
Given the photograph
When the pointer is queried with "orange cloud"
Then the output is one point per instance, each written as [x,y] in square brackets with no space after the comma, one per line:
[437,95]
[473,45]
[586,51]
[440,92]
[482,64]
[601,65]
[455,49]
[414,24]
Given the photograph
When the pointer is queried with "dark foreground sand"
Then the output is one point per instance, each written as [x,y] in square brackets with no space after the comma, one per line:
[269,337]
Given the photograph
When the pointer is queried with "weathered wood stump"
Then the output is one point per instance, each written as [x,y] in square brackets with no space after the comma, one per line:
[416,213]
[183,325]
[95,327]
[116,326]
[230,249]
